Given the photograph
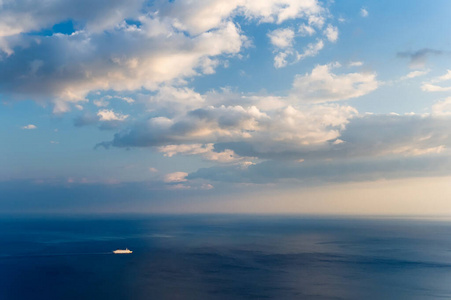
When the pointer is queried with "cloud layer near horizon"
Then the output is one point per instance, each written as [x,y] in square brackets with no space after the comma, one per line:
[147,55]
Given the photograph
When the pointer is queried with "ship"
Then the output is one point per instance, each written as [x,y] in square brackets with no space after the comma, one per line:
[121,251]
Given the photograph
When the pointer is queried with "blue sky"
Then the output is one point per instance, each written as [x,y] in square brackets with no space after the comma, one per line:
[270,106]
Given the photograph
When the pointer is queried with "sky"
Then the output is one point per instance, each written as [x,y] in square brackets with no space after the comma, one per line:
[237,106]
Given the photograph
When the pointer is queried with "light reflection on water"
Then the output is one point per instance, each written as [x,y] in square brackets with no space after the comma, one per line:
[225,257]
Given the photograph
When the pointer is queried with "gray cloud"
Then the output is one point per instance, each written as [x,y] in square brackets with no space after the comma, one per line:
[372,147]
[328,171]
[364,136]
[65,68]
[419,58]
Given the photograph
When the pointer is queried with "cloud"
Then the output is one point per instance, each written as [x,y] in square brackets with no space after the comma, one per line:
[431,86]
[200,126]
[312,49]
[445,77]
[371,147]
[281,38]
[331,32]
[105,119]
[419,58]
[442,108]
[125,45]
[428,87]
[105,100]
[110,115]
[21,16]
[124,58]
[363,12]
[414,74]
[29,126]
[207,151]
[175,177]
[200,16]
[217,133]
[305,30]
[321,85]
[327,171]
[365,137]
[355,64]
[280,60]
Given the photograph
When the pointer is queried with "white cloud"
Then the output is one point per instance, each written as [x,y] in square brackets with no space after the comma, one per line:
[410,151]
[316,21]
[282,38]
[153,170]
[280,60]
[321,85]
[205,150]
[175,177]
[432,87]
[175,99]
[355,64]
[29,126]
[442,108]
[364,12]
[305,30]
[414,74]
[444,77]
[312,49]
[109,115]
[331,32]
[429,87]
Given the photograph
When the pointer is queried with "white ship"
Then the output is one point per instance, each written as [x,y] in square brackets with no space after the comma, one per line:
[120,251]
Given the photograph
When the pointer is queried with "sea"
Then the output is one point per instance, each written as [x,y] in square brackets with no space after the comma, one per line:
[224,257]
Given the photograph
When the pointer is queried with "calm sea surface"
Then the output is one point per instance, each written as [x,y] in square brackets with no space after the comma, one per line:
[224,257]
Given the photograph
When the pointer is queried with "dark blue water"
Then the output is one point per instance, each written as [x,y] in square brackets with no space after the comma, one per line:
[224,257]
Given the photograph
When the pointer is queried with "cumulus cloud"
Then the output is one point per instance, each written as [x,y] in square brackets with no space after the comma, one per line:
[371,147]
[280,60]
[363,12]
[306,30]
[125,45]
[281,38]
[331,32]
[21,16]
[110,115]
[312,49]
[442,108]
[124,59]
[200,126]
[207,151]
[216,133]
[174,100]
[29,126]
[321,85]
[106,119]
[105,100]
[175,177]
[418,59]
[283,57]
